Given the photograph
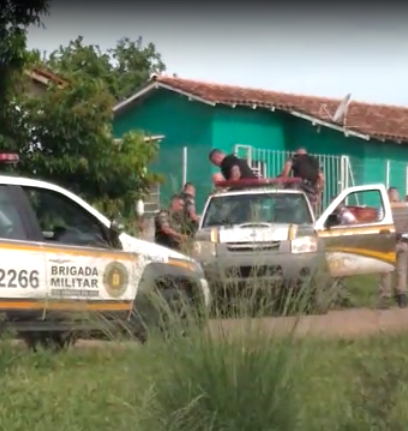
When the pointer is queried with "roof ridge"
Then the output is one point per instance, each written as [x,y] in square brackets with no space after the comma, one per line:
[166,78]
[370,120]
[239,87]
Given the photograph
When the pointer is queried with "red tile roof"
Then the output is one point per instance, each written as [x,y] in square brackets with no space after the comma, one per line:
[384,122]
[47,76]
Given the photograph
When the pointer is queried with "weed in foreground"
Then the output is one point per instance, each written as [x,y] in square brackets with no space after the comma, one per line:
[218,382]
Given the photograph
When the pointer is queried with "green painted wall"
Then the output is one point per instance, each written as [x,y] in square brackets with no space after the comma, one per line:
[321,140]
[258,128]
[375,162]
[184,123]
[368,158]
[201,127]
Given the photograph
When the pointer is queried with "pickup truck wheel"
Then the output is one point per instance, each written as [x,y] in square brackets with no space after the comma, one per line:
[54,340]
[323,297]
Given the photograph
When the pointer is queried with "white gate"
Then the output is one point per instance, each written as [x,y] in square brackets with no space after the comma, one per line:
[269,163]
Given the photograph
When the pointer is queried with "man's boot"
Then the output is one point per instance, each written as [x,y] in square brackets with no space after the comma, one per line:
[385,303]
[401,300]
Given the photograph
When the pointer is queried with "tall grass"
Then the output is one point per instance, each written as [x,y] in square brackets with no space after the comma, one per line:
[232,375]
[221,382]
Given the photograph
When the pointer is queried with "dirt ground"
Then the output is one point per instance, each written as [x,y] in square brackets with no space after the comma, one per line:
[342,323]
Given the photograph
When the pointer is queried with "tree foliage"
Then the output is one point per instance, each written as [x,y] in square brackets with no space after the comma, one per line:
[15,17]
[123,68]
[65,135]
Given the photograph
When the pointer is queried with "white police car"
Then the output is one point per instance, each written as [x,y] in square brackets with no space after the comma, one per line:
[62,262]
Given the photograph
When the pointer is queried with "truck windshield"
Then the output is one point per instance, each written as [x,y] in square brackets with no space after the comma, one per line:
[257,208]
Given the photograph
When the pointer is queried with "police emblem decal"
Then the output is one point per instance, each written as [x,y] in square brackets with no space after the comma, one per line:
[115,279]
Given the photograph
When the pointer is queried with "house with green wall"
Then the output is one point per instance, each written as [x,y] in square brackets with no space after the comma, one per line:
[365,144]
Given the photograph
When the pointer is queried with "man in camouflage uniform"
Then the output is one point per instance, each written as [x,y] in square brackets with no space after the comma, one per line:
[386,280]
[191,218]
[168,225]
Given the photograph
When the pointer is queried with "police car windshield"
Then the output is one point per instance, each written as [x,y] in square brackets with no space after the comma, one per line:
[257,208]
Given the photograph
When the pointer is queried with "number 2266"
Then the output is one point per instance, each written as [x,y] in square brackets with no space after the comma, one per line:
[12,278]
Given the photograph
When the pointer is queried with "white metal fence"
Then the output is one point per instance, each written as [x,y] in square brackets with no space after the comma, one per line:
[269,163]
[340,172]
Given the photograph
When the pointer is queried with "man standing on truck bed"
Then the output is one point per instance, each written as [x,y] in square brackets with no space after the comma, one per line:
[386,280]
[168,225]
[231,166]
[305,166]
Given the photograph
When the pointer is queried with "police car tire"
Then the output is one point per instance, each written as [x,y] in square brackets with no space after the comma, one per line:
[150,316]
[137,330]
[183,311]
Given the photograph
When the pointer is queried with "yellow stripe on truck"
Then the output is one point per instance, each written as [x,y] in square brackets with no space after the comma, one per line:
[389,257]
[123,256]
[65,305]
[292,232]
[354,230]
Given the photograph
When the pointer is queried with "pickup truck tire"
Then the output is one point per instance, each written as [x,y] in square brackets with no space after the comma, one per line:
[52,340]
[323,296]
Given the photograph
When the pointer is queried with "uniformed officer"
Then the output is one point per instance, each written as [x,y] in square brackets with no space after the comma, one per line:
[190,215]
[386,280]
[305,166]
[169,225]
[231,166]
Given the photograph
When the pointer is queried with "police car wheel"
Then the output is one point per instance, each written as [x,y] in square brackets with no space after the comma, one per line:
[137,330]
[181,313]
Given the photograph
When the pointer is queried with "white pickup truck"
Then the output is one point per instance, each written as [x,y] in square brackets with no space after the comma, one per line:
[269,233]
[61,258]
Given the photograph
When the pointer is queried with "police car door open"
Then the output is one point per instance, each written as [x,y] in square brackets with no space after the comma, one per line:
[91,275]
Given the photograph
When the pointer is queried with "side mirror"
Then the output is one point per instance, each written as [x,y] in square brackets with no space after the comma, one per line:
[331,221]
[116,227]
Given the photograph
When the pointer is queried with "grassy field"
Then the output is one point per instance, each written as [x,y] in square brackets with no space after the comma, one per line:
[253,381]
[250,382]
[363,290]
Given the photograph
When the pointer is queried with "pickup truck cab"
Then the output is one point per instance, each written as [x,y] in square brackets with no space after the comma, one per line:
[61,258]
[270,233]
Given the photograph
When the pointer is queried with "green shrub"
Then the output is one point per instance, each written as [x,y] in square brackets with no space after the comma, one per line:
[220,382]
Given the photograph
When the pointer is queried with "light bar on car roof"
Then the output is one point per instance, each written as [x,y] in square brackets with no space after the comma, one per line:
[9,158]
[257,182]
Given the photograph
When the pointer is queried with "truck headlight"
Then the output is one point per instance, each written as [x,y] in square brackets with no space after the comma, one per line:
[305,244]
[203,250]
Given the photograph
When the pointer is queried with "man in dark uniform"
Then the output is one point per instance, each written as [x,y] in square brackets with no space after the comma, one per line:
[190,215]
[231,166]
[169,225]
[387,286]
[304,166]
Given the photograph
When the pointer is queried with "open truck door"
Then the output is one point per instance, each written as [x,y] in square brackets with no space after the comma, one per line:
[366,246]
